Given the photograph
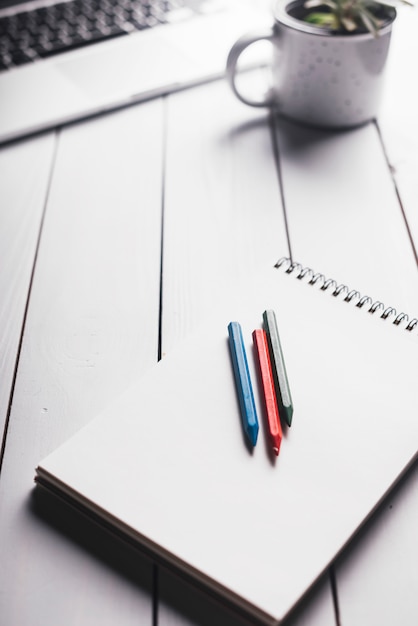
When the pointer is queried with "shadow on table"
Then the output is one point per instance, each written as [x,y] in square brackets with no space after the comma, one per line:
[172,597]
[297,136]
[199,609]
[103,545]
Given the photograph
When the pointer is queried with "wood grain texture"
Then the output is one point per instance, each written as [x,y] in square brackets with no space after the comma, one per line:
[398,118]
[223,213]
[25,169]
[343,212]
[92,327]
[378,577]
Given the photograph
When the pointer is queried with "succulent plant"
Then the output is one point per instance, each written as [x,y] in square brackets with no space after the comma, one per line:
[351,15]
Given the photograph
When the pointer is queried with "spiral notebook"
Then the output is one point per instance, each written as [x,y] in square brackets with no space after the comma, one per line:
[167,466]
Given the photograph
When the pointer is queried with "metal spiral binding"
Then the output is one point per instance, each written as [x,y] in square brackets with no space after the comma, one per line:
[329,285]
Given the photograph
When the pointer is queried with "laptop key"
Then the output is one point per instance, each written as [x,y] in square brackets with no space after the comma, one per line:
[49,49]
[20,57]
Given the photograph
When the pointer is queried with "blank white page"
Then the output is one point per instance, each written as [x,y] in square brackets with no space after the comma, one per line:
[168,464]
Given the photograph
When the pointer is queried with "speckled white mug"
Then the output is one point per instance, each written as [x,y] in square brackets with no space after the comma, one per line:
[319,78]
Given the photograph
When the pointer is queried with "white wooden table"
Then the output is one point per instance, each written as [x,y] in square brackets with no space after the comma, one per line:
[115,237]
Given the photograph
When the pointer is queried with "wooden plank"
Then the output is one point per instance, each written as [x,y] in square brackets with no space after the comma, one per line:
[398,119]
[378,577]
[223,213]
[343,213]
[92,327]
[25,169]
[223,220]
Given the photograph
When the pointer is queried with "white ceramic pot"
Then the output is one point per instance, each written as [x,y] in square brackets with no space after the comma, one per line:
[319,77]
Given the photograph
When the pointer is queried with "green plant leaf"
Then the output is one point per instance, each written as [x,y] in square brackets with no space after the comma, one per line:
[370,21]
[349,15]
[326,20]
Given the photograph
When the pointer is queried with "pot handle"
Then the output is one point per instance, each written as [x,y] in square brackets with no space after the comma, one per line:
[231,66]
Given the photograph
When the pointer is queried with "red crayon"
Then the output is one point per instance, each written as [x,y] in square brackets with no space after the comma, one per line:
[272,411]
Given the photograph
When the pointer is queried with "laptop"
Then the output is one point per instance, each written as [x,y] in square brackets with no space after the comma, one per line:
[64,61]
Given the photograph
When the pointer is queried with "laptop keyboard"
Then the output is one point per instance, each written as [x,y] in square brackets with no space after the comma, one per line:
[49,30]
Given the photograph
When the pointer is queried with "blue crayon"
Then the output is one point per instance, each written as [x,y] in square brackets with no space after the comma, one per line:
[243,382]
